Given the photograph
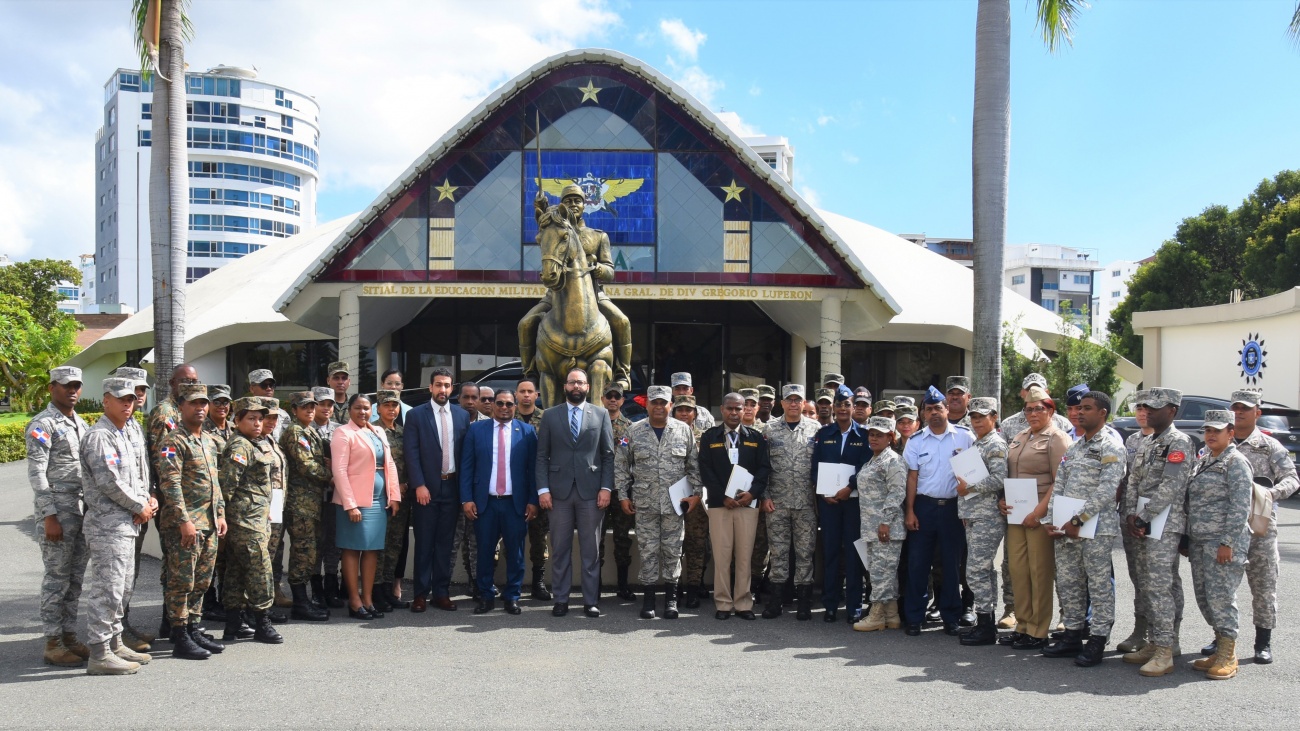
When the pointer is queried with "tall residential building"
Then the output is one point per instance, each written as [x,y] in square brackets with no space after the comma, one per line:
[252,175]
[1060,278]
[959,250]
[1112,289]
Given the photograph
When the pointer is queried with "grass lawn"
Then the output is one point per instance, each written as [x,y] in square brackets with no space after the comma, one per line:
[17,418]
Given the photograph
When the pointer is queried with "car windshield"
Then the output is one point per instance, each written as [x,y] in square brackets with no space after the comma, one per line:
[1273,423]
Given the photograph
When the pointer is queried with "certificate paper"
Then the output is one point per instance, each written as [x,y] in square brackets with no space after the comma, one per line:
[1065,508]
[1022,496]
[739,481]
[277,506]
[1157,529]
[969,466]
[861,545]
[679,491]
[832,477]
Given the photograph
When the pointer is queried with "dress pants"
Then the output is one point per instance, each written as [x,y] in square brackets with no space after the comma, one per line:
[939,526]
[1032,555]
[732,531]
[499,521]
[841,526]
[435,526]
[566,515]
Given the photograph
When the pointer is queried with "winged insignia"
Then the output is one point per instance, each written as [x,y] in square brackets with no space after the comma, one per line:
[599,192]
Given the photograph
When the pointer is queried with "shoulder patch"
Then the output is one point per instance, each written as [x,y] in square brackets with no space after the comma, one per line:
[170,424]
[997,455]
[1176,457]
[1109,459]
[240,458]
[303,441]
[622,442]
[112,459]
[167,452]
[41,436]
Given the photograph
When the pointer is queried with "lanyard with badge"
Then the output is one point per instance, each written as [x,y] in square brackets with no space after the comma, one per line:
[733,452]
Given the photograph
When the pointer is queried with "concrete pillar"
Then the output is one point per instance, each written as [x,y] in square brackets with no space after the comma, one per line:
[798,362]
[830,345]
[350,332]
[383,358]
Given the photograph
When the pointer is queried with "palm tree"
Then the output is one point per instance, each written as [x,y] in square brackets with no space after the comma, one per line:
[990,156]
[1294,30]
[162,28]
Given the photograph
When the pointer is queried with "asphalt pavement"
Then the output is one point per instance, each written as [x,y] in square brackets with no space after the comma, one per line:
[459,670]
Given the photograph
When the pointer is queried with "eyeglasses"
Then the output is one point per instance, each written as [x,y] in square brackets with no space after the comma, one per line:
[1035,409]
[575,383]
[485,398]
[508,404]
[189,381]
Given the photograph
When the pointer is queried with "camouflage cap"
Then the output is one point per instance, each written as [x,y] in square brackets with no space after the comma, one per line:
[1158,398]
[248,403]
[614,387]
[65,375]
[322,393]
[683,401]
[825,394]
[901,401]
[1245,396]
[680,379]
[301,398]
[139,375]
[766,391]
[260,376]
[792,389]
[904,412]
[881,424]
[961,383]
[749,394]
[836,378]
[386,396]
[340,366]
[217,391]
[1036,393]
[119,387]
[1032,379]
[192,392]
[271,403]
[984,405]
[1219,418]
[659,393]
[884,405]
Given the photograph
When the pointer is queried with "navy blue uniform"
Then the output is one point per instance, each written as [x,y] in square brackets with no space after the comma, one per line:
[841,523]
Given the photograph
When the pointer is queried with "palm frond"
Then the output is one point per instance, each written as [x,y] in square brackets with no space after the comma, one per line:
[1056,21]
[140,11]
[1294,29]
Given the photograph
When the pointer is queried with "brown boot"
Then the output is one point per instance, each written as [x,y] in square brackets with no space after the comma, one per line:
[1206,663]
[133,641]
[1143,656]
[1225,660]
[892,620]
[1161,663]
[75,647]
[282,599]
[59,656]
[875,619]
[1008,620]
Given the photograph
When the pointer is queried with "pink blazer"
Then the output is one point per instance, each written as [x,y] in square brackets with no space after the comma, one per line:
[353,460]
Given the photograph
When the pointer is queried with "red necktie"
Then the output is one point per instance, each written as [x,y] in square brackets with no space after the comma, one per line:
[501,459]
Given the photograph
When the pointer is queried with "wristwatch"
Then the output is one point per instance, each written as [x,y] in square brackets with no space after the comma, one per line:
[1078,521]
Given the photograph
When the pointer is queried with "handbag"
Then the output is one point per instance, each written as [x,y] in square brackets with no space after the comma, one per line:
[1261,506]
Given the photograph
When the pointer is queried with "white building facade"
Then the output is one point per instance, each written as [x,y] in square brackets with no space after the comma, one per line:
[1112,289]
[1058,278]
[253,161]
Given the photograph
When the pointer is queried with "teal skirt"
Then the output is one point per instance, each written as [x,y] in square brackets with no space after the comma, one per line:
[367,535]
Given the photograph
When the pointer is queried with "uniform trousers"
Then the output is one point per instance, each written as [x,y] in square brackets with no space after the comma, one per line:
[65,568]
[659,541]
[841,525]
[732,533]
[938,525]
[112,570]
[1033,569]
[1216,584]
[1261,575]
[1085,583]
[787,528]
[189,573]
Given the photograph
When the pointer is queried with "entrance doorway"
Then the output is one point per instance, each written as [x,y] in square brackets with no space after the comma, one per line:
[696,349]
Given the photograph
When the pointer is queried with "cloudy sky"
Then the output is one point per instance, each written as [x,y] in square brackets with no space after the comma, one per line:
[1159,109]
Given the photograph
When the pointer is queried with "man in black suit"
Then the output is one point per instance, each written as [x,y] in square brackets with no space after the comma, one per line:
[434,432]
[733,520]
[575,477]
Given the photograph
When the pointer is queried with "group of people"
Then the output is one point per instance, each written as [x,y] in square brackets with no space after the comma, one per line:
[356,480]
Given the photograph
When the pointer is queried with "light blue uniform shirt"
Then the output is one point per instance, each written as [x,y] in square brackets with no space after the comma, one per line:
[930,454]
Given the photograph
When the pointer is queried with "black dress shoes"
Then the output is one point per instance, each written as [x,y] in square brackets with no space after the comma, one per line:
[911,629]
[853,615]
[722,614]
[830,616]
[591,610]
[560,609]
[747,614]
[374,613]
[360,613]
[951,629]
[512,606]
[1028,642]
[484,605]
[1009,638]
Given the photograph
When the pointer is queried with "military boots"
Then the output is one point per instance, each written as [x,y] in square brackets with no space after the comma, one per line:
[75,647]
[648,603]
[59,656]
[104,662]
[670,601]
[184,647]
[624,590]
[305,610]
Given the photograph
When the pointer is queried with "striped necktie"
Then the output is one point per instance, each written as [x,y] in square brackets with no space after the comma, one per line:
[575,421]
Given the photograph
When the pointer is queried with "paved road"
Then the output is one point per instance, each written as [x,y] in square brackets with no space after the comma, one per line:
[456,669]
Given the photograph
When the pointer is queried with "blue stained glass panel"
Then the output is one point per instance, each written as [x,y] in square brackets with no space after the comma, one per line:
[619,186]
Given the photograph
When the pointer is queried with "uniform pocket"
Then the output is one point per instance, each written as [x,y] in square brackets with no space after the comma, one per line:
[679,450]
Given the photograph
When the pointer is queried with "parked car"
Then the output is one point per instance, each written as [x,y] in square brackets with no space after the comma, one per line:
[508,375]
[1280,422]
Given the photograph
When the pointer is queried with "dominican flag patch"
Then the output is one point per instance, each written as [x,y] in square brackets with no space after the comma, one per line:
[622,442]
[113,459]
[240,459]
[305,444]
[167,452]
[39,435]
[170,424]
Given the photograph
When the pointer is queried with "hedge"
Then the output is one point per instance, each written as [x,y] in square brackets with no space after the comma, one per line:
[13,442]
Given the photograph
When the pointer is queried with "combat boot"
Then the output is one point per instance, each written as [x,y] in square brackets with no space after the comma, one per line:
[117,647]
[318,591]
[670,601]
[874,621]
[235,627]
[183,645]
[803,611]
[1008,620]
[212,608]
[693,597]
[1207,662]
[305,610]
[263,631]
[648,603]
[1070,644]
[133,641]
[983,633]
[540,592]
[103,662]
[1138,639]
[1142,656]
[892,620]
[280,599]
[1225,660]
[773,609]
[59,656]
[624,590]
[1263,645]
[332,597]
[1092,652]
[1161,662]
[75,647]
[205,641]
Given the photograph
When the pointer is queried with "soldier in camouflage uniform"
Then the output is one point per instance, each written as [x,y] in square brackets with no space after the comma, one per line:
[136,639]
[218,422]
[791,512]
[1218,508]
[54,470]
[388,404]
[246,482]
[619,522]
[1160,474]
[758,560]
[539,528]
[644,470]
[339,379]
[696,546]
[272,429]
[905,423]
[328,550]
[261,383]
[766,402]
[958,394]
[163,419]
[683,386]
[193,516]
[309,474]
[1139,638]
[1091,471]
[115,486]
[986,527]
[882,488]
[1268,459]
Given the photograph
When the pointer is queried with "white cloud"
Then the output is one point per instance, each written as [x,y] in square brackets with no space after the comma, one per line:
[824,119]
[813,197]
[685,40]
[849,157]
[738,125]
[754,89]
[699,83]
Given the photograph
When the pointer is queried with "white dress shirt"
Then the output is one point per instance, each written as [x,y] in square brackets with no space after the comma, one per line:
[497,428]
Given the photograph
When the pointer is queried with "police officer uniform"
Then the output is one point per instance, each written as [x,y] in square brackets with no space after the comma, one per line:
[841,522]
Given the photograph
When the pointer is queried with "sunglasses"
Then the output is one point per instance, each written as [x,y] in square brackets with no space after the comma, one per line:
[485,398]
[510,404]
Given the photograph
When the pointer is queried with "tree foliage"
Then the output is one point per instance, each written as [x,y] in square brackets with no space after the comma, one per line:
[29,349]
[1254,247]
[33,282]
[1076,360]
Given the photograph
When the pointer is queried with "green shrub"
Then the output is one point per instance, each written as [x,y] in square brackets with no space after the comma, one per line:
[13,440]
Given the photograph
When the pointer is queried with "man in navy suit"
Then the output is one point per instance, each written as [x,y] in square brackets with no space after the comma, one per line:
[434,432]
[497,493]
[845,442]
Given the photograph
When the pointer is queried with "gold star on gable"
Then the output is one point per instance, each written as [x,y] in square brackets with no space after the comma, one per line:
[733,191]
[589,92]
[445,191]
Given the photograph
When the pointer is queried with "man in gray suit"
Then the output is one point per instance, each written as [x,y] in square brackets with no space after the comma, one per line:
[575,477]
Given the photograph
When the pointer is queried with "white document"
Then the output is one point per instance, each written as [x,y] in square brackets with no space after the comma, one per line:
[678,492]
[1065,508]
[969,466]
[1022,496]
[861,545]
[277,506]
[832,477]
[1157,529]
[739,481]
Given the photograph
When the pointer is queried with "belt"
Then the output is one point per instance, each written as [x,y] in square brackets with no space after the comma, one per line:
[936,500]
[448,475]
[500,497]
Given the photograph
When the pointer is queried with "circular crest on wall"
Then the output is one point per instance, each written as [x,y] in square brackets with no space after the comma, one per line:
[1251,360]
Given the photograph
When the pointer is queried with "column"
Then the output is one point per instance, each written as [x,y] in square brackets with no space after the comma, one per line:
[350,332]
[830,337]
[798,362]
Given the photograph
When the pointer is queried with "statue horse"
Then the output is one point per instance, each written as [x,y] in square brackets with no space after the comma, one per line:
[574,333]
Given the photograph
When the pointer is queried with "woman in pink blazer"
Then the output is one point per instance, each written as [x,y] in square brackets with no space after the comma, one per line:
[365,482]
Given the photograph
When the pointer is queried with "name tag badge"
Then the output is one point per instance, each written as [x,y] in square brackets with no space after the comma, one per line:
[733,454]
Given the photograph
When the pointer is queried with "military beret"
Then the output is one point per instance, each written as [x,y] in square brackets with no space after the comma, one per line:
[192,392]
[386,396]
[884,405]
[1036,393]
[766,391]
[825,394]
[1245,396]
[680,401]
[659,393]
[680,379]
[218,391]
[301,398]
[1031,379]
[792,389]
[322,393]
[1157,398]
[961,383]
[248,403]
[1075,395]
[749,394]
[68,374]
[984,405]
[340,366]
[1219,418]
[139,375]
[932,396]
[260,376]
[881,424]
[119,387]
[836,378]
